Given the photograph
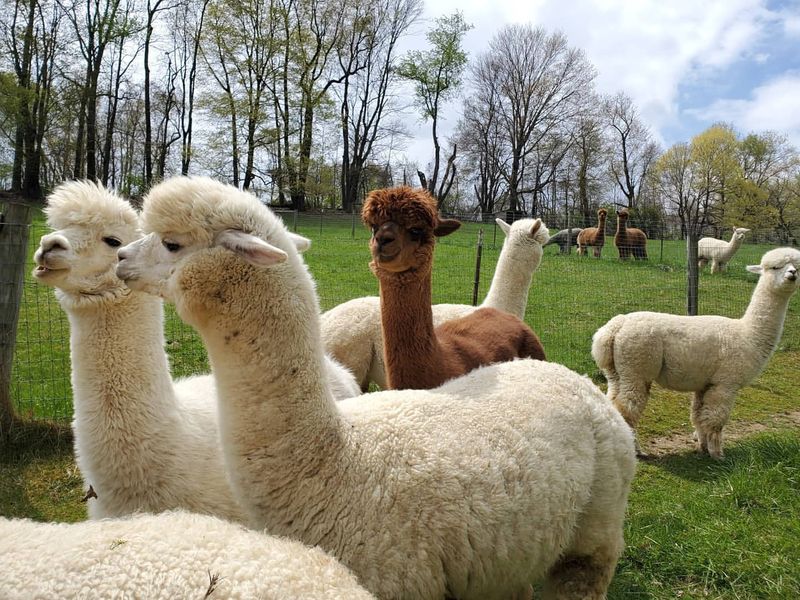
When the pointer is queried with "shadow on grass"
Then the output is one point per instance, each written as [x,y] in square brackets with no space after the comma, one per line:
[27,440]
[761,451]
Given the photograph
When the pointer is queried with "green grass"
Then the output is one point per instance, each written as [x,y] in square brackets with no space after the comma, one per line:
[696,528]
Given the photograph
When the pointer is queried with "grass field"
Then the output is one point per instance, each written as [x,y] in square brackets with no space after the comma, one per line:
[696,528]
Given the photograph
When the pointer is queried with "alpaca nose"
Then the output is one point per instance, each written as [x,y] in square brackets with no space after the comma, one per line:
[123,253]
[384,237]
[53,242]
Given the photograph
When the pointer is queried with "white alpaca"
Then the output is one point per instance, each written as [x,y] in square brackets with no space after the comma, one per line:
[351,331]
[711,356]
[140,442]
[514,473]
[167,556]
[719,252]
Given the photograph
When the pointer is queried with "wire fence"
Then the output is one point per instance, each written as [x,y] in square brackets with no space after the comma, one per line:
[571,296]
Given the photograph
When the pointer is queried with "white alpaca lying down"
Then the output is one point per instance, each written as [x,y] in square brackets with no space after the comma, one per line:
[351,331]
[711,356]
[167,556]
[141,442]
[515,473]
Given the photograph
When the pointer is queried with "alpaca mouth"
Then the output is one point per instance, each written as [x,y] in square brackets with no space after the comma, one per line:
[382,257]
[42,271]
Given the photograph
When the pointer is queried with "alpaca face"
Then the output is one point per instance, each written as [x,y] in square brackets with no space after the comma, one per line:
[80,257]
[404,223]
[739,233]
[782,267]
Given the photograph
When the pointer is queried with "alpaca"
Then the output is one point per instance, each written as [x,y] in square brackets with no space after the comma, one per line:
[629,240]
[405,224]
[719,252]
[352,333]
[565,238]
[711,356]
[514,473]
[594,236]
[141,442]
[167,556]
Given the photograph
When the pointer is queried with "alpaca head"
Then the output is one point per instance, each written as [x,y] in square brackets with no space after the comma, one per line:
[738,233]
[188,218]
[623,214]
[601,214]
[526,237]
[80,256]
[781,269]
[405,223]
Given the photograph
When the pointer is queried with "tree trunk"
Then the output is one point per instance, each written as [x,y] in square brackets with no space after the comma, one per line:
[14,241]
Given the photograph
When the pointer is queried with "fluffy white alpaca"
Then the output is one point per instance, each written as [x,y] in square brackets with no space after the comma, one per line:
[351,331]
[719,252]
[166,556]
[514,473]
[140,442]
[709,355]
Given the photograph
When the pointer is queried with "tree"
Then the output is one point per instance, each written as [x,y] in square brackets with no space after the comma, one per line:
[631,147]
[436,74]
[541,82]
[368,61]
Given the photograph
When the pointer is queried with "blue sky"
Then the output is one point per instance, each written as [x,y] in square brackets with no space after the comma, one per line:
[686,63]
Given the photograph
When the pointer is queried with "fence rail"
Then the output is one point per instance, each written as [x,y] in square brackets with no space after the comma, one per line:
[570,297]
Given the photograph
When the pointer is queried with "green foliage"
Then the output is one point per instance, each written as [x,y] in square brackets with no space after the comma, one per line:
[748,205]
[437,72]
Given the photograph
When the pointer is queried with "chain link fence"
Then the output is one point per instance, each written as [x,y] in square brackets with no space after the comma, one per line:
[570,297]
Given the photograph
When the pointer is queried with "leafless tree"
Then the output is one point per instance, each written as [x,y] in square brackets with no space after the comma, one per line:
[540,82]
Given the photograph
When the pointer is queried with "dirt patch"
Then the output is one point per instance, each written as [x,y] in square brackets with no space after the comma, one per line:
[683,441]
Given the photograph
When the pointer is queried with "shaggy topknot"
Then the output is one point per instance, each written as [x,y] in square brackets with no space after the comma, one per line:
[86,203]
[413,207]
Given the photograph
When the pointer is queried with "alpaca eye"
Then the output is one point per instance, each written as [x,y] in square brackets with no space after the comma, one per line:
[171,246]
[374,229]
[112,241]
[415,233]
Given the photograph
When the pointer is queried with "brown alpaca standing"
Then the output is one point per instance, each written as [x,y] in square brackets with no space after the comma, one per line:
[594,236]
[629,240]
[405,223]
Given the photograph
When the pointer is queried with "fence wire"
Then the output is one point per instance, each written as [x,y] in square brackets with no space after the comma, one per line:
[570,297]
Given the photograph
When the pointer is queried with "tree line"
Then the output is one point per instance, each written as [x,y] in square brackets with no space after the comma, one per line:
[306,103]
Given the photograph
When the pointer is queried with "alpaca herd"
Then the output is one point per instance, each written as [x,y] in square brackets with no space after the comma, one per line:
[480,471]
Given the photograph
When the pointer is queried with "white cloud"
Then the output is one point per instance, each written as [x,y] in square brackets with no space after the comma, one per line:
[772,106]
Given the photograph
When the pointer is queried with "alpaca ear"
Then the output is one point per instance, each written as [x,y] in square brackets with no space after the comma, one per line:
[503,225]
[301,243]
[251,248]
[755,269]
[446,227]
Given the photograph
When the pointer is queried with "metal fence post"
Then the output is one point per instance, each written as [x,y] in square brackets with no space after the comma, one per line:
[477,269]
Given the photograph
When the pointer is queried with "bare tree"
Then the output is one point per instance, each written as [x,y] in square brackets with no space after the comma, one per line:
[631,147]
[368,61]
[541,81]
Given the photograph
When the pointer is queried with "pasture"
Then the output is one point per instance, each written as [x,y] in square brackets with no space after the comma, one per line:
[696,528]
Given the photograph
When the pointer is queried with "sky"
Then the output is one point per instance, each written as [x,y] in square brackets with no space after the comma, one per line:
[686,64]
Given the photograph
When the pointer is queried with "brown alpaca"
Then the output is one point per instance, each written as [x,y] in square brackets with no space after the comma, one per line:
[594,236]
[405,223]
[629,240]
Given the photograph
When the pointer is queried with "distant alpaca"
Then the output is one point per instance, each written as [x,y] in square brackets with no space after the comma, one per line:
[709,355]
[565,238]
[351,331]
[405,224]
[629,240]
[594,236]
[719,252]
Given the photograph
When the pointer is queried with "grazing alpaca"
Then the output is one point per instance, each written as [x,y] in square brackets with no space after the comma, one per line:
[142,442]
[405,224]
[565,238]
[629,240]
[517,472]
[594,236]
[352,332]
[709,355]
[167,556]
[719,252]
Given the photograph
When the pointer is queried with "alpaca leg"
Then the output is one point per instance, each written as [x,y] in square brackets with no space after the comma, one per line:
[710,412]
[630,398]
[597,250]
[715,268]
[585,577]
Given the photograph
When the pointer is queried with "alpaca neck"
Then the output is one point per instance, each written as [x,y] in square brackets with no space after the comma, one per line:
[511,282]
[735,242]
[410,347]
[765,316]
[601,228]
